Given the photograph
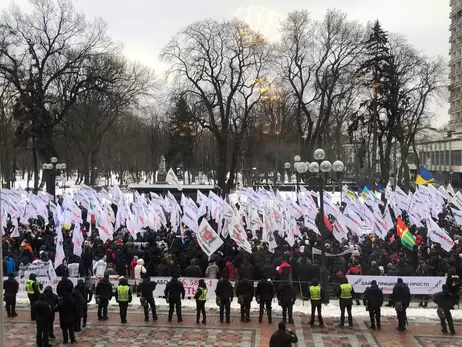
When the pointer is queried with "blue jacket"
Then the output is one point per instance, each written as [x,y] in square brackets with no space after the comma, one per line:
[10,266]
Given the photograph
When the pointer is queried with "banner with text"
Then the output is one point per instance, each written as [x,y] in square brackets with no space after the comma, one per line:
[417,285]
[45,281]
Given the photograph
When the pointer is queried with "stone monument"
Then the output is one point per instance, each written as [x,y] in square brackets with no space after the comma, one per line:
[161,172]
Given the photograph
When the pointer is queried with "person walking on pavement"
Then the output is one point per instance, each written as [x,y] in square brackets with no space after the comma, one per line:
[283,337]
[316,294]
[244,292]
[42,318]
[373,300]
[146,288]
[224,293]
[265,294]
[87,296]
[287,295]
[401,298]
[123,297]
[103,296]
[201,298]
[445,301]
[33,292]
[174,292]
[66,309]
[11,287]
[53,301]
[345,292]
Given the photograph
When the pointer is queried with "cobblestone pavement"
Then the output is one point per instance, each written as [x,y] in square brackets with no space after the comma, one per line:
[20,332]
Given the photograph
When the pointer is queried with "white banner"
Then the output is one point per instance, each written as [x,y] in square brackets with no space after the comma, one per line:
[319,252]
[418,285]
[45,281]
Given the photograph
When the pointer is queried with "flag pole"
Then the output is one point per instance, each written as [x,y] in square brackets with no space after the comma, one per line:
[2,323]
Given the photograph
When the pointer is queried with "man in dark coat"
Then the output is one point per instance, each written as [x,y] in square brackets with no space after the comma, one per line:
[224,292]
[246,270]
[42,317]
[373,300]
[286,295]
[264,294]
[244,292]
[53,301]
[87,296]
[146,288]
[79,304]
[401,297]
[174,292]
[445,301]
[66,309]
[11,287]
[64,286]
[283,337]
[103,295]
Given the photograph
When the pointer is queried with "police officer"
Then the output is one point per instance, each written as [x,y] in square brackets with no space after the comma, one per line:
[42,318]
[316,294]
[123,297]
[33,292]
[103,296]
[244,291]
[346,292]
[11,287]
[174,292]
[201,298]
[265,294]
[87,296]
[373,300]
[224,293]
[287,295]
[401,297]
[445,301]
[146,288]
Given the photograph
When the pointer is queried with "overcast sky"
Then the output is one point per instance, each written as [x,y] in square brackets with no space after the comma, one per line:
[145,26]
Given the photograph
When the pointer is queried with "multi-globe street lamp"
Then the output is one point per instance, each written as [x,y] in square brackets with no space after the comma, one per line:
[322,167]
[53,168]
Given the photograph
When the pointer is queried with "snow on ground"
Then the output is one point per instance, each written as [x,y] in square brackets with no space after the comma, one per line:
[414,313]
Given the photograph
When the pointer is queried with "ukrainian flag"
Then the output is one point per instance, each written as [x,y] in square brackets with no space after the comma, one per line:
[424,177]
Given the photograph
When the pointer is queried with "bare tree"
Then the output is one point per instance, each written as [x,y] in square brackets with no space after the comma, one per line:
[221,65]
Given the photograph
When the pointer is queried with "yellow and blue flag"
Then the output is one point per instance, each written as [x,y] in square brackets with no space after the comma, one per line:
[424,177]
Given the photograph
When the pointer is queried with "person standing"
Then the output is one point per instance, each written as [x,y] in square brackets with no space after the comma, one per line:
[401,298]
[316,294]
[64,286]
[287,295]
[345,292]
[123,297]
[53,301]
[373,300]
[66,309]
[201,298]
[33,292]
[42,318]
[265,294]
[79,303]
[224,293]
[445,301]
[103,296]
[146,289]
[174,292]
[87,296]
[11,287]
[244,292]
[283,337]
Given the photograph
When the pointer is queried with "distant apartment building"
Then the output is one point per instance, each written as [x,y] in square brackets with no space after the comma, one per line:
[455,65]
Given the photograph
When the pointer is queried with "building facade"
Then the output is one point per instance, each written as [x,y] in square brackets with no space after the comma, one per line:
[455,65]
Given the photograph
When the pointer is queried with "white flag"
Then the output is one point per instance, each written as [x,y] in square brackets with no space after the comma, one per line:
[173,179]
[207,238]
[77,240]
[59,256]
[440,236]
[51,271]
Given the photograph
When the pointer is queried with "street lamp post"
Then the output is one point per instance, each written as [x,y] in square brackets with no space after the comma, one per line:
[287,167]
[323,166]
[53,168]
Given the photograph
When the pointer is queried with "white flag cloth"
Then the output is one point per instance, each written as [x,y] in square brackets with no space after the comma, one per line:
[59,256]
[173,179]
[207,238]
[440,236]
[51,271]
[457,216]
[77,240]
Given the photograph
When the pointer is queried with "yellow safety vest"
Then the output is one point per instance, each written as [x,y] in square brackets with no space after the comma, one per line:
[29,287]
[122,293]
[315,293]
[203,296]
[346,291]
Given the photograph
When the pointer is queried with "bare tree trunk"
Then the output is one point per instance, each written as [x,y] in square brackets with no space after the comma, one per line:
[36,167]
